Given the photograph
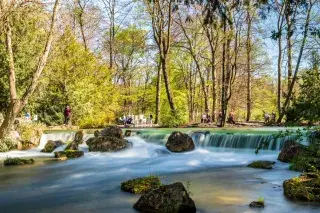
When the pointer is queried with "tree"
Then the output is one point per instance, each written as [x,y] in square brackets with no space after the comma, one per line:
[302,46]
[161,13]
[18,103]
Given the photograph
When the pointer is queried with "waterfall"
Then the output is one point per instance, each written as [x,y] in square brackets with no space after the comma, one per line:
[223,140]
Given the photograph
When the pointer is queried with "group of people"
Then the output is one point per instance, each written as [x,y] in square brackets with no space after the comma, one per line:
[135,120]
[207,119]
[269,118]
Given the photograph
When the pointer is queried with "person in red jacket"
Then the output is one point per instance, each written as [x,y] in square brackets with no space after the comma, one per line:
[67,114]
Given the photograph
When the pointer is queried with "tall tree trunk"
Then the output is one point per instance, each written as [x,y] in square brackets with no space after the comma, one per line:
[158,96]
[279,88]
[223,78]
[112,33]
[289,43]
[16,104]
[294,79]
[167,83]
[214,89]
[249,98]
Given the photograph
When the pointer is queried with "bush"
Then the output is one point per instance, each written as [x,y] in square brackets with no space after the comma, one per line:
[171,120]
[31,132]
[7,144]
[3,147]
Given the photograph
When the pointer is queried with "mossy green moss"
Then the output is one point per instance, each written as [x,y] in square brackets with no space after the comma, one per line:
[74,153]
[303,188]
[262,164]
[17,161]
[69,154]
[141,185]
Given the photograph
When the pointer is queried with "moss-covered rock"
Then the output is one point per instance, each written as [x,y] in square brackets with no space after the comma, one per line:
[290,150]
[68,154]
[74,153]
[256,204]
[141,185]
[107,144]
[72,146]
[303,188]
[112,131]
[78,138]
[180,142]
[262,164]
[51,145]
[171,198]
[17,161]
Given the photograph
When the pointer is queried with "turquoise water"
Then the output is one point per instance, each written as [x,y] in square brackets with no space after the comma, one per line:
[220,180]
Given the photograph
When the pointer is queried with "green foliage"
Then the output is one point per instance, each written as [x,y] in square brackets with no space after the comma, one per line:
[28,33]
[141,185]
[76,77]
[17,161]
[307,105]
[30,132]
[7,144]
[261,200]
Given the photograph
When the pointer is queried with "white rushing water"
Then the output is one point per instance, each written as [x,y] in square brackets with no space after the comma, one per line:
[219,178]
[36,152]
[154,156]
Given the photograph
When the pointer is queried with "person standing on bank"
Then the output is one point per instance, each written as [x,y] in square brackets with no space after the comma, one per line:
[67,114]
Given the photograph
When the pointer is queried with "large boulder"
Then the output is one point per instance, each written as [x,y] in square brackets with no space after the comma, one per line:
[107,144]
[166,199]
[262,164]
[108,140]
[51,145]
[141,185]
[78,138]
[112,131]
[289,151]
[303,188]
[180,142]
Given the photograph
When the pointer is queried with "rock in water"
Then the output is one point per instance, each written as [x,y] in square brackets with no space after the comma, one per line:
[303,188]
[141,185]
[180,142]
[51,145]
[96,133]
[68,154]
[262,164]
[78,138]
[112,131]
[17,161]
[74,153]
[107,144]
[72,146]
[166,199]
[257,204]
[289,151]
[128,133]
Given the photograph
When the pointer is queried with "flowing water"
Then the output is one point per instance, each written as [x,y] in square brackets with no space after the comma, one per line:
[220,182]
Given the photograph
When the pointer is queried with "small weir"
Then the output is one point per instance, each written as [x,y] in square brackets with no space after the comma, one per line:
[223,140]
